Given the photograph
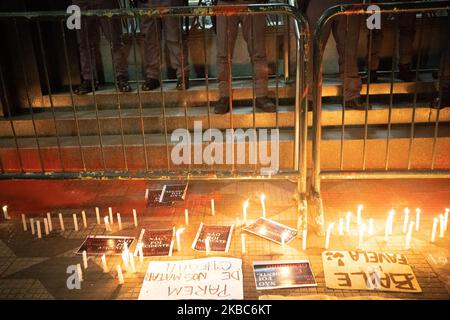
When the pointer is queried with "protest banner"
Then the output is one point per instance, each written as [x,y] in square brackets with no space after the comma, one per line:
[157,242]
[219,238]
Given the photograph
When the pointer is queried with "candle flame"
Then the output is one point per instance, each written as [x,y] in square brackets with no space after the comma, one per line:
[179,231]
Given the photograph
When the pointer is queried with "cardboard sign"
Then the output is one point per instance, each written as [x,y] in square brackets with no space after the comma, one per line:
[166,195]
[200,279]
[156,242]
[271,230]
[108,245]
[219,238]
[283,274]
[368,270]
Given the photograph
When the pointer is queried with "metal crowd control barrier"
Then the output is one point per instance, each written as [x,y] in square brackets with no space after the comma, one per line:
[428,10]
[36,19]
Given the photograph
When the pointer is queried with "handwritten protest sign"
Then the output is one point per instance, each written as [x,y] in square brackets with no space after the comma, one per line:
[166,195]
[368,270]
[283,274]
[272,230]
[157,242]
[108,245]
[217,278]
[219,238]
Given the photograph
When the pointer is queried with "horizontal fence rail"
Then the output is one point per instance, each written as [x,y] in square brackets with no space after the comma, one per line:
[376,143]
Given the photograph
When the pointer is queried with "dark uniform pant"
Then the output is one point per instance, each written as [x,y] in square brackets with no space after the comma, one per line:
[253,29]
[346,33]
[175,44]
[89,38]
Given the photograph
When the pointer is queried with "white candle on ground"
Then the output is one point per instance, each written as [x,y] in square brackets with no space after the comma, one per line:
[391,221]
[38,227]
[213,209]
[417,219]
[75,222]
[305,234]
[341,226]
[46,227]
[49,220]
[111,218]
[120,274]
[178,238]
[5,212]
[409,235]
[362,230]
[263,204]
[97,215]
[186,217]
[207,245]
[131,259]
[447,210]
[24,223]
[32,226]
[104,265]
[243,243]
[441,225]
[135,218]
[141,252]
[370,230]
[107,225]
[347,222]
[406,220]
[119,221]
[83,217]
[328,235]
[433,231]
[386,229]
[85,261]
[299,225]
[359,214]
[244,211]
[61,222]
[146,194]
[80,273]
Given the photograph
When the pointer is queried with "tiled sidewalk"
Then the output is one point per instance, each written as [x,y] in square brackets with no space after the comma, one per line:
[32,268]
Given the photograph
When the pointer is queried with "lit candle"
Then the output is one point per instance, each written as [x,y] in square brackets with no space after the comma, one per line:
[244,211]
[362,230]
[305,234]
[359,214]
[391,221]
[141,252]
[85,262]
[341,226]
[32,226]
[433,232]
[243,242]
[120,274]
[97,215]
[104,265]
[46,227]
[5,212]
[49,220]
[387,229]
[61,221]
[146,194]
[75,222]
[409,235]
[178,238]
[125,258]
[417,219]
[263,204]
[111,218]
[207,245]
[370,228]
[283,238]
[447,210]
[347,224]
[119,221]
[441,225]
[135,218]
[299,225]
[213,211]
[131,259]
[80,273]
[186,217]
[107,225]
[83,217]
[24,223]
[328,235]
[38,226]
[405,220]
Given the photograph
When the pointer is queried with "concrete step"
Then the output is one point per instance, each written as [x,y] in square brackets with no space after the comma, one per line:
[131,149]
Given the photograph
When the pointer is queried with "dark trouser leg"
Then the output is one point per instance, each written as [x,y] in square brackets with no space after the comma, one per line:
[406,37]
[151,28]
[346,34]
[176,45]
[227,28]
[377,40]
[253,28]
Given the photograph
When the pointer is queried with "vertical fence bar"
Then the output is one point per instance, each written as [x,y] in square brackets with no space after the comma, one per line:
[252,39]
[277,78]
[208,103]
[230,91]
[344,88]
[369,66]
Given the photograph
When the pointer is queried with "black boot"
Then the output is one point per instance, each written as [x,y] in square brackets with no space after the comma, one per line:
[150,84]
[437,103]
[265,104]
[123,84]
[356,104]
[222,106]
[85,87]
[405,73]
[183,83]
[373,76]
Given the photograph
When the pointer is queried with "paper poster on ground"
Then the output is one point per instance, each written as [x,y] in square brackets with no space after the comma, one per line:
[108,245]
[369,270]
[272,230]
[219,238]
[216,278]
[283,274]
[158,242]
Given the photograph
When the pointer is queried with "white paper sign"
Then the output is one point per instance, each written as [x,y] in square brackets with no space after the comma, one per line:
[215,278]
